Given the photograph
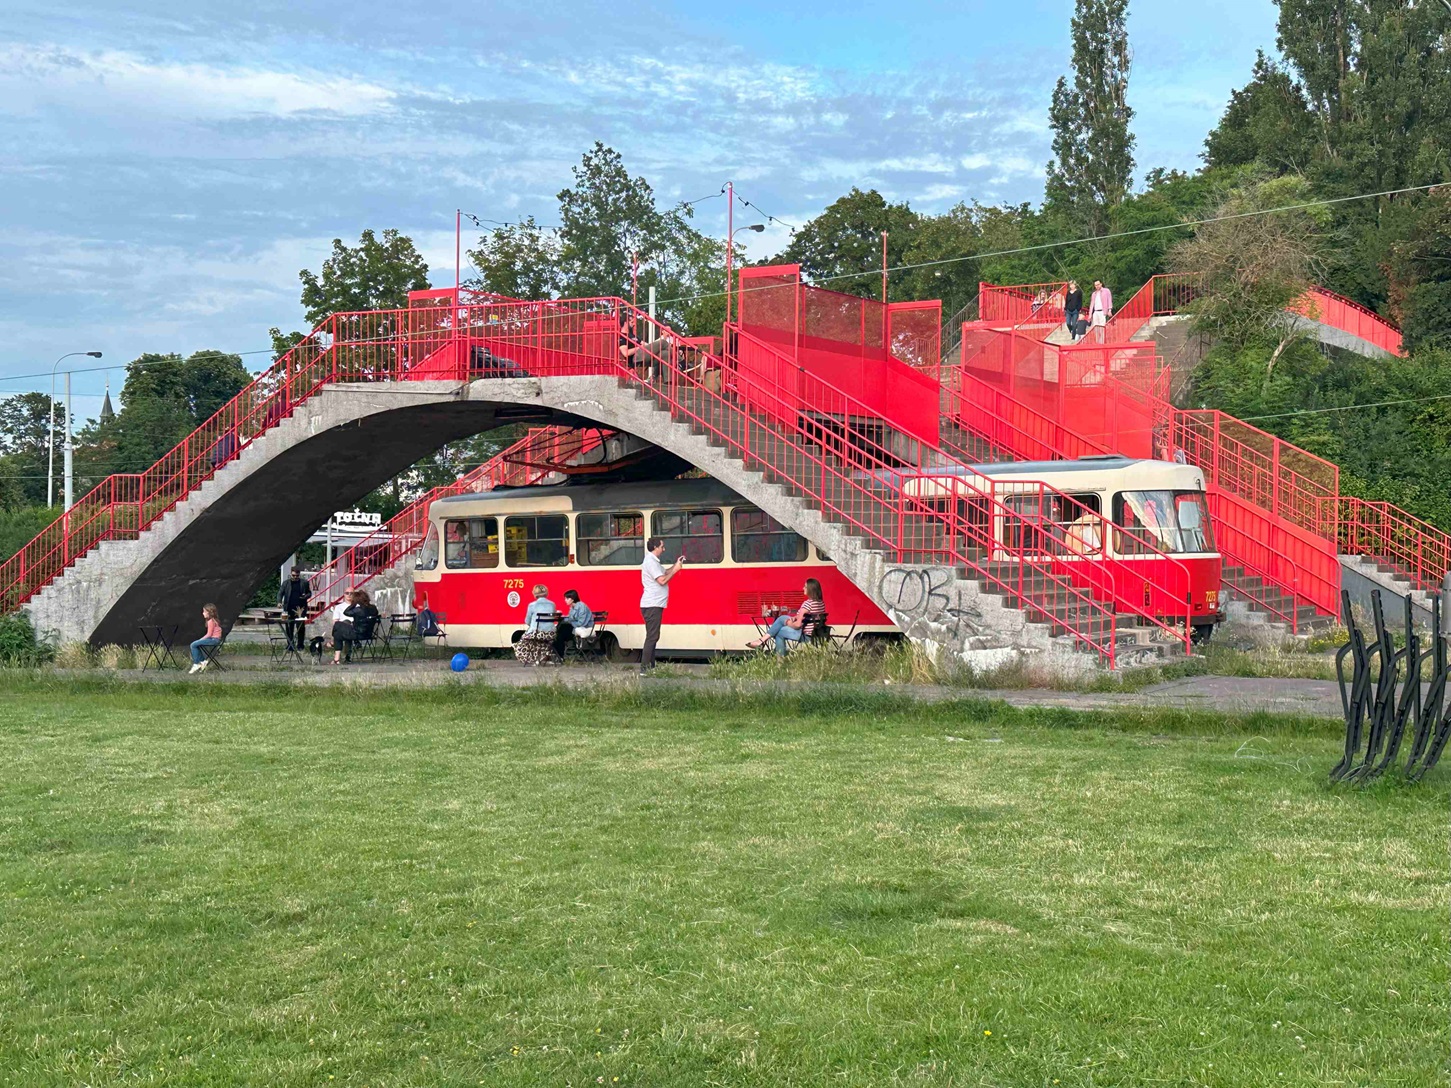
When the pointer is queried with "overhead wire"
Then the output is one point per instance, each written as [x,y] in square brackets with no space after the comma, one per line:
[1040,246]
[1014,251]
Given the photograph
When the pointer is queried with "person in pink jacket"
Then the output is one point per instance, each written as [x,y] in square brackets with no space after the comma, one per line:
[1100,309]
[213,637]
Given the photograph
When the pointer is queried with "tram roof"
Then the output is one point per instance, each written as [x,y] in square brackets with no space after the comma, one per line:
[1082,464]
[605,496]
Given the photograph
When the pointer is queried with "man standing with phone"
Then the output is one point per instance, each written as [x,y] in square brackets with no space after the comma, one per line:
[655,595]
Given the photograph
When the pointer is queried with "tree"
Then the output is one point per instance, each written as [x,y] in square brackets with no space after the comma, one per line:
[1420,277]
[1093,163]
[521,260]
[25,447]
[1267,121]
[608,220]
[1251,267]
[373,275]
[164,399]
[842,247]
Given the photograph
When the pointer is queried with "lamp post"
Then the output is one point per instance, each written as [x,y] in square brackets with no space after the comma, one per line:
[730,251]
[50,466]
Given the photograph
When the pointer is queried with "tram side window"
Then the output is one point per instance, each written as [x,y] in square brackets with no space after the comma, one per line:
[540,540]
[428,554]
[695,534]
[756,537]
[471,543]
[611,540]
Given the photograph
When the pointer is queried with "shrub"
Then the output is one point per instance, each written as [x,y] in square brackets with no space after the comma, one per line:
[18,645]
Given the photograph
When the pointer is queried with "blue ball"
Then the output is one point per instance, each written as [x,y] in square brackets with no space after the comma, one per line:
[460,662]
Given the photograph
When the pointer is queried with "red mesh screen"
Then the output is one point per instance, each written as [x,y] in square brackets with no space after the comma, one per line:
[767,302]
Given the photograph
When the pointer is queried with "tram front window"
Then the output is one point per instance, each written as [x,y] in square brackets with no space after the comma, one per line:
[1166,521]
[428,556]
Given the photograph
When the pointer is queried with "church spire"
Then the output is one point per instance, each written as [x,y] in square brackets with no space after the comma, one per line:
[107,412]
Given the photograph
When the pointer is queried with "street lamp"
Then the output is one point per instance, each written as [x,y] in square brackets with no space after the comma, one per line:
[50,467]
[730,254]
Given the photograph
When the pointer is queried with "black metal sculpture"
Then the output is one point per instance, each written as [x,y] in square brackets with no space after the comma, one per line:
[1383,700]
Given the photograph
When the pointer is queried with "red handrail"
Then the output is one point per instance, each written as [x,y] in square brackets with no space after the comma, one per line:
[1383,532]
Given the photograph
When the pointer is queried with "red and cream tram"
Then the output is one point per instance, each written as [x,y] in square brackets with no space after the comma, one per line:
[1152,517]
[485,552]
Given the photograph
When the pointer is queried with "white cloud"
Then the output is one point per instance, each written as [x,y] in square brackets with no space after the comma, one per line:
[36,76]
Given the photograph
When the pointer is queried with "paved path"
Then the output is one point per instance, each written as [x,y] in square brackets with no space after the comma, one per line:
[1224,694]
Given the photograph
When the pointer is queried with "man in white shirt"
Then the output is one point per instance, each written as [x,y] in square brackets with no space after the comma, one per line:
[654,596]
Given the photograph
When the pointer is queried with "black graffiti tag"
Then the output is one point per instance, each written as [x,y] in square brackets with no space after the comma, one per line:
[920,594]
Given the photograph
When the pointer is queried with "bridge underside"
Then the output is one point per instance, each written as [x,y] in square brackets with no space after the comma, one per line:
[243,536]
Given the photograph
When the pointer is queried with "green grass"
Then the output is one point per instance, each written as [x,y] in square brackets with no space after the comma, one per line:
[217,885]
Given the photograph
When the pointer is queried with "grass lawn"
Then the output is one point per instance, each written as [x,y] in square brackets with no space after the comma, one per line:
[221,886]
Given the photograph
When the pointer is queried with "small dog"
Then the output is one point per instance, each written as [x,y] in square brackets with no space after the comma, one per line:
[315,647]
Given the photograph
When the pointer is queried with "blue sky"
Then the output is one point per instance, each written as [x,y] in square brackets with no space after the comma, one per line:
[166,168]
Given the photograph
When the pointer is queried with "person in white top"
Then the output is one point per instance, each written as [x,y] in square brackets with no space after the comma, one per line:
[1100,309]
[654,596]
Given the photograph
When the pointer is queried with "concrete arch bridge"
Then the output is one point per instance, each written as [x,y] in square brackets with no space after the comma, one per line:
[368,395]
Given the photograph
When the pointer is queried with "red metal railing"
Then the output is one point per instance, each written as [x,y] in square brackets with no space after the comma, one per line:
[1382,532]
[1341,313]
[832,447]
[526,462]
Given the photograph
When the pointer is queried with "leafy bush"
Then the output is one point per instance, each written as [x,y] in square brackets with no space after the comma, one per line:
[18,645]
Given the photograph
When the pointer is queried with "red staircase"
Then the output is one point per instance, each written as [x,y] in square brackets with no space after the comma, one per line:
[538,455]
[1280,518]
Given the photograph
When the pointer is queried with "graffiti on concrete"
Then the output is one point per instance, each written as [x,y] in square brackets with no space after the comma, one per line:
[922,595]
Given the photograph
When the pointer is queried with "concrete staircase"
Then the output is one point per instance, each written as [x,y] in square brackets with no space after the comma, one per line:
[1249,599]
[1361,574]
[985,613]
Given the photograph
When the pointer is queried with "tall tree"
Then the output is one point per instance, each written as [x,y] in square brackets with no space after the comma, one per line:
[376,274]
[1267,121]
[1093,162]
[25,447]
[608,220]
[521,260]
[842,247]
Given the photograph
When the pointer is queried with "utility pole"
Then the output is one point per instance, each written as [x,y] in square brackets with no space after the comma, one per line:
[68,445]
[884,267]
[730,240]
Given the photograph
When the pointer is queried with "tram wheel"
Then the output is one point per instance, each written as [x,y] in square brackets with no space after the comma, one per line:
[615,653]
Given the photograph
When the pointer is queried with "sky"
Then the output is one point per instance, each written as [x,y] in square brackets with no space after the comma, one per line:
[167,167]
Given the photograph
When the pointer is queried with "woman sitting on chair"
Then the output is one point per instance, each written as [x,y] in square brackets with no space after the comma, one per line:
[536,645]
[795,627]
[360,620]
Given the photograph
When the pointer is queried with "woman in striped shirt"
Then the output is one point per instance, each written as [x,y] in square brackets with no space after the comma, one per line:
[794,628]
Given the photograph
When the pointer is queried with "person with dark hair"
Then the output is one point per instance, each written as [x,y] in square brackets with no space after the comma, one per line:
[579,618]
[1072,306]
[293,597]
[360,620]
[655,595]
[793,627]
